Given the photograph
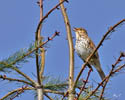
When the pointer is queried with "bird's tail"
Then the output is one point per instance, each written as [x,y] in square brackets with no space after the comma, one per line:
[99,69]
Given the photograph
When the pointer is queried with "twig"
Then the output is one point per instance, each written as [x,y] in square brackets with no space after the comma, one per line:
[100,43]
[20,72]
[24,75]
[105,83]
[122,54]
[39,39]
[19,91]
[85,82]
[17,80]
[119,68]
[57,85]
[48,15]
[39,46]
[71,52]
[52,91]
[29,88]
[48,96]
[65,95]
[112,72]
[86,91]
[106,79]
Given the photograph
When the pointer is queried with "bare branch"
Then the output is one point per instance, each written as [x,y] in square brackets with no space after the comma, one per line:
[21,73]
[48,96]
[85,82]
[17,91]
[112,72]
[71,52]
[55,92]
[106,79]
[4,77]
[39,46]
[119,68]
[39,39]
[48,15]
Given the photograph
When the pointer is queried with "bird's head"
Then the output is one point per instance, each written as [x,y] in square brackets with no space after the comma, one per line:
[80,32]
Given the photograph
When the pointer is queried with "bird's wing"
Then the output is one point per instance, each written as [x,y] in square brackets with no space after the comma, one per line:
[92,45]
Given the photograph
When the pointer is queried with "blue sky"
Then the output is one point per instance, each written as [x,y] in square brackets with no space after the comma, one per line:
[19,19]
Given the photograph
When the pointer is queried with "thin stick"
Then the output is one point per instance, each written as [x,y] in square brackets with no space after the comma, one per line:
[48,96]
[112,72]
[106,79]
[17,80]
[48,15]
[85,82]
[54,92]
[39,46]
[71,52]
[20,72]
[19,91]
[39,39]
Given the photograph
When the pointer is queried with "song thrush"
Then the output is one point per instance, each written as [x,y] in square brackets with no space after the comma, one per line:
[84,47]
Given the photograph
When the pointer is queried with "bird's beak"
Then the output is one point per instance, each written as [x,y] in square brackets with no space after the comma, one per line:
[74,29]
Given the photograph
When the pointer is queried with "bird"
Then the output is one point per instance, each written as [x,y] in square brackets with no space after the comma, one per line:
[84,46]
